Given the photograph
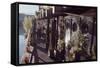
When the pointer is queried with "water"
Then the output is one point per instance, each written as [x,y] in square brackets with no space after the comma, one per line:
[22,43]
[21,46]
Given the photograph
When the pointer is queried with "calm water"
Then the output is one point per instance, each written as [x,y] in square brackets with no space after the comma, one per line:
[22,43]
[21,46]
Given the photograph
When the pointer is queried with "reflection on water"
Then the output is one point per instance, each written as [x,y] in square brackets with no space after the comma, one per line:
[21,46]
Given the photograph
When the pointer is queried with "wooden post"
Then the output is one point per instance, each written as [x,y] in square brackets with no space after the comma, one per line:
[34,44]
[48,37]
[70,28]
[93,24]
